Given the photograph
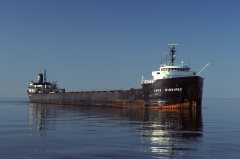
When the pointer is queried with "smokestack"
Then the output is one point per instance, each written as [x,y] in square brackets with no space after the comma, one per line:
[40,78]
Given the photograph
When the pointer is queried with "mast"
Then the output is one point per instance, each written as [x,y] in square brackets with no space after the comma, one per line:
[45,76]
[172,53]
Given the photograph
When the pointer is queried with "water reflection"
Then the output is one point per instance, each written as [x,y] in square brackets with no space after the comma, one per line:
[171,132]
[164,132]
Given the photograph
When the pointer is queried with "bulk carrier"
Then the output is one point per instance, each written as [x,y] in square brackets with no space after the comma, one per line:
[172,86]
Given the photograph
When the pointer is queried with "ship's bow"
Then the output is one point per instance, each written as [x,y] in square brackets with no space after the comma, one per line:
[183,92]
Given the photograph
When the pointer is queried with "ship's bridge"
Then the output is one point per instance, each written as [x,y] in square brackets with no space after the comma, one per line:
[170,69]
[166,71]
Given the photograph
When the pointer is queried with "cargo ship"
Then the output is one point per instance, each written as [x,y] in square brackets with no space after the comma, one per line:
[172,86]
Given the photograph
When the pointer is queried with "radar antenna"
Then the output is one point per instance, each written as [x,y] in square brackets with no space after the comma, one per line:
[172,52]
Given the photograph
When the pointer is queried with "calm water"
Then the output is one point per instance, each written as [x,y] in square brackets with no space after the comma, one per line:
[63,132]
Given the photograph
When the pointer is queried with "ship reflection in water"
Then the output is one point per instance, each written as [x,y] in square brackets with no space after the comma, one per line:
[167,133]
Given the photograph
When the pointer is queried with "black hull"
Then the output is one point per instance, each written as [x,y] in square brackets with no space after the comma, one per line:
[165,93]
[113,98]
[183,91]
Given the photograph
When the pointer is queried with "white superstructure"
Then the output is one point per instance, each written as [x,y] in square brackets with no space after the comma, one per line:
[166,71]
[171,70]
[42,86]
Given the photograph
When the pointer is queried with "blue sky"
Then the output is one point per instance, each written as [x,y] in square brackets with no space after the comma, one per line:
[109,44]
